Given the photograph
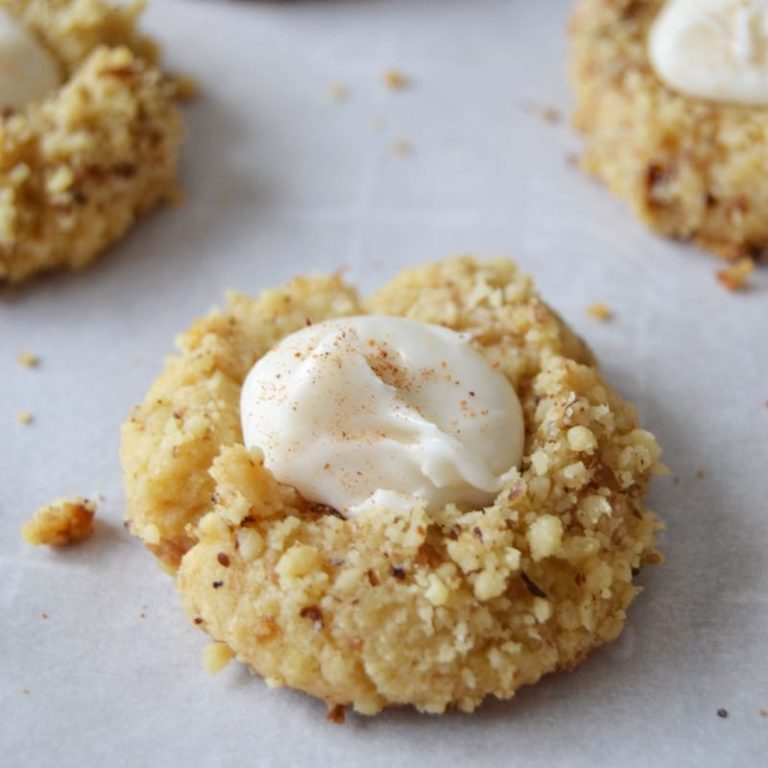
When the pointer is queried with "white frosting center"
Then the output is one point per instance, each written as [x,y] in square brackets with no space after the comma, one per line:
[366,412]
[713,49]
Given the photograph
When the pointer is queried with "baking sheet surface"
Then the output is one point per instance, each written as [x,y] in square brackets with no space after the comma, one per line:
[281,179]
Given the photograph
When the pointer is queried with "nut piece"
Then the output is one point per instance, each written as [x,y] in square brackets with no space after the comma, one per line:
[64,522]
[437,592]
[582,439]
[545,536]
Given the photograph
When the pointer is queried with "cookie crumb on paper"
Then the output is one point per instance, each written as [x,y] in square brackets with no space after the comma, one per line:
[63,522]
[735,277]
[550,114]
[24,418]
[28,360]
[599,311]
[395,80]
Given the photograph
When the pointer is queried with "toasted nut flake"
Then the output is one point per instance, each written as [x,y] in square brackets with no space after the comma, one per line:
[28,360]
[395,79]
[216,656]
[66,521]
[736,276]
[599,311]
[402,147]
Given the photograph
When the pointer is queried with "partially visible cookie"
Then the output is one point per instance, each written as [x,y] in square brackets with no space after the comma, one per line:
[80,166]
[690,168]
[435,608]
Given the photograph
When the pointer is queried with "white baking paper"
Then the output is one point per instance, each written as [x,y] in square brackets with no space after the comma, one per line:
[281,179]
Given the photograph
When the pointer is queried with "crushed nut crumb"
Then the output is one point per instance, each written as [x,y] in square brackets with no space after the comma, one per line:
[28,360]
[395,79]
[599,311]
[24,418]
[66,521]
[402,147]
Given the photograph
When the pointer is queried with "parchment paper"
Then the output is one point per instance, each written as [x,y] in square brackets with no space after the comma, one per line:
[281,180]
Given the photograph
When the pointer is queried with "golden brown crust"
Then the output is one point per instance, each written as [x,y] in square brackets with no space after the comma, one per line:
[690,169]
[78,168]
[433,610]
